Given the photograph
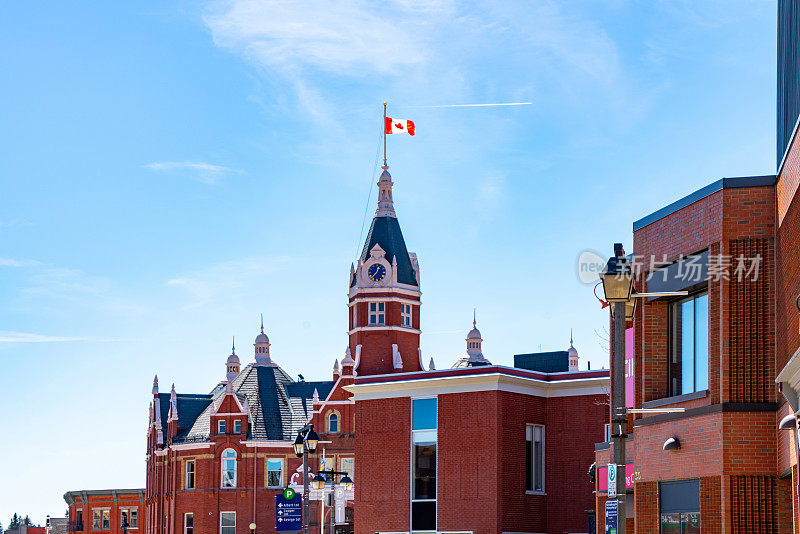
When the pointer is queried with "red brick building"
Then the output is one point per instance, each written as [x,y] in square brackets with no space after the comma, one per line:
[216,461]
[104,510]
[478,448]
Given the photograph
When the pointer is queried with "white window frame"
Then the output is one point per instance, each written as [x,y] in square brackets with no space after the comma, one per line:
[237,426]
[406,314]
[193,473]
[234,521]
[129,510]
[222,468]
[185,526]
[530,433]
[333,413]
[221,426]
[280,476]
[351,470]
[377,313]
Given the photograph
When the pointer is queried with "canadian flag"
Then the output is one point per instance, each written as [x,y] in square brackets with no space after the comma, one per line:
[394,126]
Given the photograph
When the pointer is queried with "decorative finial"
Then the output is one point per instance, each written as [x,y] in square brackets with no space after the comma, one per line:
[570,337]
[474,317]
[262,323]
[431,367]
[155,385]
[233,345]
[315,397]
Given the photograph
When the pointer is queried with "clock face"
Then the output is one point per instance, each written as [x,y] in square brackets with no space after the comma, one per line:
[376,272]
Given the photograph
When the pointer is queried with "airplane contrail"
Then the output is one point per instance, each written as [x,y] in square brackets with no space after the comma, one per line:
[476,105]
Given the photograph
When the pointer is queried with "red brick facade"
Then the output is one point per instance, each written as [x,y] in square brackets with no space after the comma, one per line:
[102,510]
[481,455]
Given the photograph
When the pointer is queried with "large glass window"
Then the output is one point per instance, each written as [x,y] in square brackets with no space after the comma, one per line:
[377,313]
[190,474]
[229,468]
[227,523]
[423,488]
[275,473]
[101,519]
[348,466]
[680,506]
[689,345]
[534,458]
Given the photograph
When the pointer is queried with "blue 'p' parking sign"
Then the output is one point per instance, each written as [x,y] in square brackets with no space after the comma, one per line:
[288,512]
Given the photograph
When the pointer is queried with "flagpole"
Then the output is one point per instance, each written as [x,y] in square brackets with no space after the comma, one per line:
[385,166]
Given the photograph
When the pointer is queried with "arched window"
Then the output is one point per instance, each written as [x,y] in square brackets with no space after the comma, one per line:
[333,422]
[229,468]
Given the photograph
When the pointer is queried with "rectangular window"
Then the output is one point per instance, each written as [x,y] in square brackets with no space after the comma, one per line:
[423,487]
[221,427]
[689,345]
[679,505]
[128,515]
[405,315]
[227,523]
[106,519]
[97,519]
[347,465]
[607,432]
[188,523]
[534,458]
[189,474]
[237,427]
[275,473]
[377,313]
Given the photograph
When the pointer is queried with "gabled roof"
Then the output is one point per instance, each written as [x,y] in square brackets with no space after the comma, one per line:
[385,231]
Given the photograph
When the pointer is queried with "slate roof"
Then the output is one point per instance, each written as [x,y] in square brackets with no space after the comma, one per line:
[278,405]
[385,231]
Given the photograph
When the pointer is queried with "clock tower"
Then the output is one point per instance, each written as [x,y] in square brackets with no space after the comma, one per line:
[384,296]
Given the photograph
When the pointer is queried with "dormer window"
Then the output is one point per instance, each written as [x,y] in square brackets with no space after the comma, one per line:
[221,427]
[237,427]
[377,313]
[405,315]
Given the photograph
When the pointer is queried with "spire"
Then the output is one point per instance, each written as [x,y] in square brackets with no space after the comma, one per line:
[431,367]
[385,202]
[262,323]
[475,318]
[572,355]
[155,385]
[233,345]
[336,367]
[315,397]
[261,346]
[231,367]
[173,405]
[570,338]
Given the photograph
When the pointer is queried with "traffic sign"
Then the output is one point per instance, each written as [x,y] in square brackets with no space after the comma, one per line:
[611,517]
[288,494]
[288,512]
[612,480]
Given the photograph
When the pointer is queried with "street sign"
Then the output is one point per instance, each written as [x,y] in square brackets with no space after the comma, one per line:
[612,480]
[339,504]
[288,512]
[611,517]
[288,494]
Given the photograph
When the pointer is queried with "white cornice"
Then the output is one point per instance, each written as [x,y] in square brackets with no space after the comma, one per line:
[791,372]
[382,299]
[189,446]
[403,289]
[267,443]
[384,327]
[483,382]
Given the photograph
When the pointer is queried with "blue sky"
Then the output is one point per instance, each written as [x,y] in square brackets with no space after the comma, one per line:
[170,170]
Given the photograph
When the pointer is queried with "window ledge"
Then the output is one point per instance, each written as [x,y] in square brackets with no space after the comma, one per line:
[529,492]
[676,399]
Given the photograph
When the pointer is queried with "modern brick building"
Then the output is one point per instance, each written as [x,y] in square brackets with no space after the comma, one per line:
[104,510]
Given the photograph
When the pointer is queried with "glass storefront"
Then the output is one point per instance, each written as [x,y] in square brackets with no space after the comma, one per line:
[680,506]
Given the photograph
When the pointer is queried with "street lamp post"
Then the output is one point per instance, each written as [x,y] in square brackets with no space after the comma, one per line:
[617,281]
[305,443]
[319,483]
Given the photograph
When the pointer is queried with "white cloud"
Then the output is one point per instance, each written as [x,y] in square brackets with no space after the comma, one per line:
[25,337]
[227,280]
[333,36]
[11,262]
[206,172]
